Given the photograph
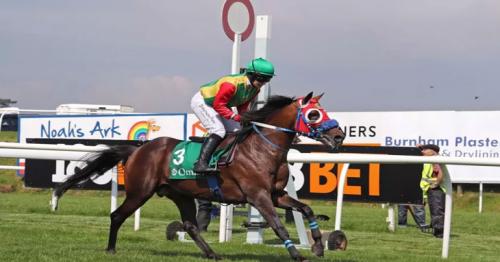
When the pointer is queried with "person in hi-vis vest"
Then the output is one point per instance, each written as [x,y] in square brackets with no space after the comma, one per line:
[433,190]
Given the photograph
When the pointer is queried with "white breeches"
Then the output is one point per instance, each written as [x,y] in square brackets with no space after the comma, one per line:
[210,119]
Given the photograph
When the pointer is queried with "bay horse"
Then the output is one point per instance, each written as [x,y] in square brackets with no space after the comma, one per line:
[257,175]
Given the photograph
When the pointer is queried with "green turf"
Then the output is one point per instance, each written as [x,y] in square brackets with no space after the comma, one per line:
[78,231]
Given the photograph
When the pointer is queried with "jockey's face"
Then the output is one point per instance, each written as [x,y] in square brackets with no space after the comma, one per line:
[259,81]
[257,84]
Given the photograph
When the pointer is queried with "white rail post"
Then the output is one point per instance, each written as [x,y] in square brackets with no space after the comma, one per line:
[53,202]
[391,217]
[480,197]
[114,190]
[447,211]
[137,219]
[226,211]
[114,199]
[340,196]
[297,216]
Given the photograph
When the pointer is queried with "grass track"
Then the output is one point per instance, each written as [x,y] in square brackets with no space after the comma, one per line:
[30,232]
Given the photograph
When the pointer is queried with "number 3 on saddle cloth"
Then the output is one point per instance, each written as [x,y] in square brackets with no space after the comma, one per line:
[185,155]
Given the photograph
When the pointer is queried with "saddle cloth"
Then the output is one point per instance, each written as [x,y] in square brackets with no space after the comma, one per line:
[186,153]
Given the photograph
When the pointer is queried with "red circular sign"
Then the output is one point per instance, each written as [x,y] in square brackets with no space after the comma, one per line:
[225,19]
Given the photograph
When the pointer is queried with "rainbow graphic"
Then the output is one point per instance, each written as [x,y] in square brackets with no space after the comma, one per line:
[139,131]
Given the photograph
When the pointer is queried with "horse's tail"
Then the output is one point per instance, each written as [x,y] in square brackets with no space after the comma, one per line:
[98,164]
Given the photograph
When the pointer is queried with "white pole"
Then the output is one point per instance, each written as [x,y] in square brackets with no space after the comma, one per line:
[137,219]
[262,43]
[114,189]
[262,38]
[42,154]
[223,223]
[12,167]
[480,197]
[226,211]
[447,211]
[356,158]
[390,217]
[30,146]
[114,198]
[235,62]
[340,196]
[54,201]
[297,216]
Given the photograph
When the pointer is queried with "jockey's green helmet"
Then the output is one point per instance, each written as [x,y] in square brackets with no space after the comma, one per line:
[260,66]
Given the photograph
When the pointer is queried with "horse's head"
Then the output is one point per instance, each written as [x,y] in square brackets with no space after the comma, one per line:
[303,116]
[313,121]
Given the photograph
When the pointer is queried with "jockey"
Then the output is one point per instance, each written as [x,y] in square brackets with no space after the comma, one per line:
[212,105]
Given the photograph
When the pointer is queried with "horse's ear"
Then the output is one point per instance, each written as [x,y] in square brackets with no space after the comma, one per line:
[317,98]
[307,98]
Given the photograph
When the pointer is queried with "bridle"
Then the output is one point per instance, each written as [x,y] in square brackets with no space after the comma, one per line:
[315,128]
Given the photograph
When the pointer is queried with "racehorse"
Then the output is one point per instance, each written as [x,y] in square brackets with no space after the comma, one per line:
[257,175]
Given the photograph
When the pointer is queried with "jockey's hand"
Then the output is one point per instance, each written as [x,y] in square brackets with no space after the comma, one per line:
[237,118]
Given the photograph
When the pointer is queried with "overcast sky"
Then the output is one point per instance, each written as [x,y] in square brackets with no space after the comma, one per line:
[154,55]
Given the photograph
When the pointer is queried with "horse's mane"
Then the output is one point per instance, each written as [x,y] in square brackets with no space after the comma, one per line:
[273,103]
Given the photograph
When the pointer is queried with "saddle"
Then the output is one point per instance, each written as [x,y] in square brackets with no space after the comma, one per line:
[226,156]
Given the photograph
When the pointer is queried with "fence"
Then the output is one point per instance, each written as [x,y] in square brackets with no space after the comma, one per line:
[391,159]
[76,152]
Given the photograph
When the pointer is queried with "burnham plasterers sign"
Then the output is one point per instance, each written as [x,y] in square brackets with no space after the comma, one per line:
[459,134]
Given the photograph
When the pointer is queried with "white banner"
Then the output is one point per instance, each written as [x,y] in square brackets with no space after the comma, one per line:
[458,133]
[112,127]
[116,127]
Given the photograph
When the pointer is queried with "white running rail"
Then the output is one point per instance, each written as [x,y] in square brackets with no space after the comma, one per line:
[395,159]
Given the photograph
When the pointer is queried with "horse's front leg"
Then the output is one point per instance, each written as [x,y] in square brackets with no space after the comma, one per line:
[283,200]
[263,203]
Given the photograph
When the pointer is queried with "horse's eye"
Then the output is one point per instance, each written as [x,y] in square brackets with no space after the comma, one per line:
[313,116]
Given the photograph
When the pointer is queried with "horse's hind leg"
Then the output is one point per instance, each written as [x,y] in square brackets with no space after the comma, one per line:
[187,208]
[263,203]
[129,206]
[287,202]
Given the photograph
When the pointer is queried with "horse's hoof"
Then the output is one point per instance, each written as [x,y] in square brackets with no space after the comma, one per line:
[302,259]
[111,251]
[318,249]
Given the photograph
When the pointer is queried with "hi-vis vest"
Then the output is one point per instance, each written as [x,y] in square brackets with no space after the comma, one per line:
[427,179]
[242,95]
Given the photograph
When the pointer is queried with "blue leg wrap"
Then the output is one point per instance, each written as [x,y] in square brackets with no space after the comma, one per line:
[288,243]
[313,225]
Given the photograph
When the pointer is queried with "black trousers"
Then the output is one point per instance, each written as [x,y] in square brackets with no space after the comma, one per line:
[203,216]
[418,214]
[436,198]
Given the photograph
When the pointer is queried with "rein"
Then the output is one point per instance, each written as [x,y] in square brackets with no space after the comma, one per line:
[286,130]
[314,134]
